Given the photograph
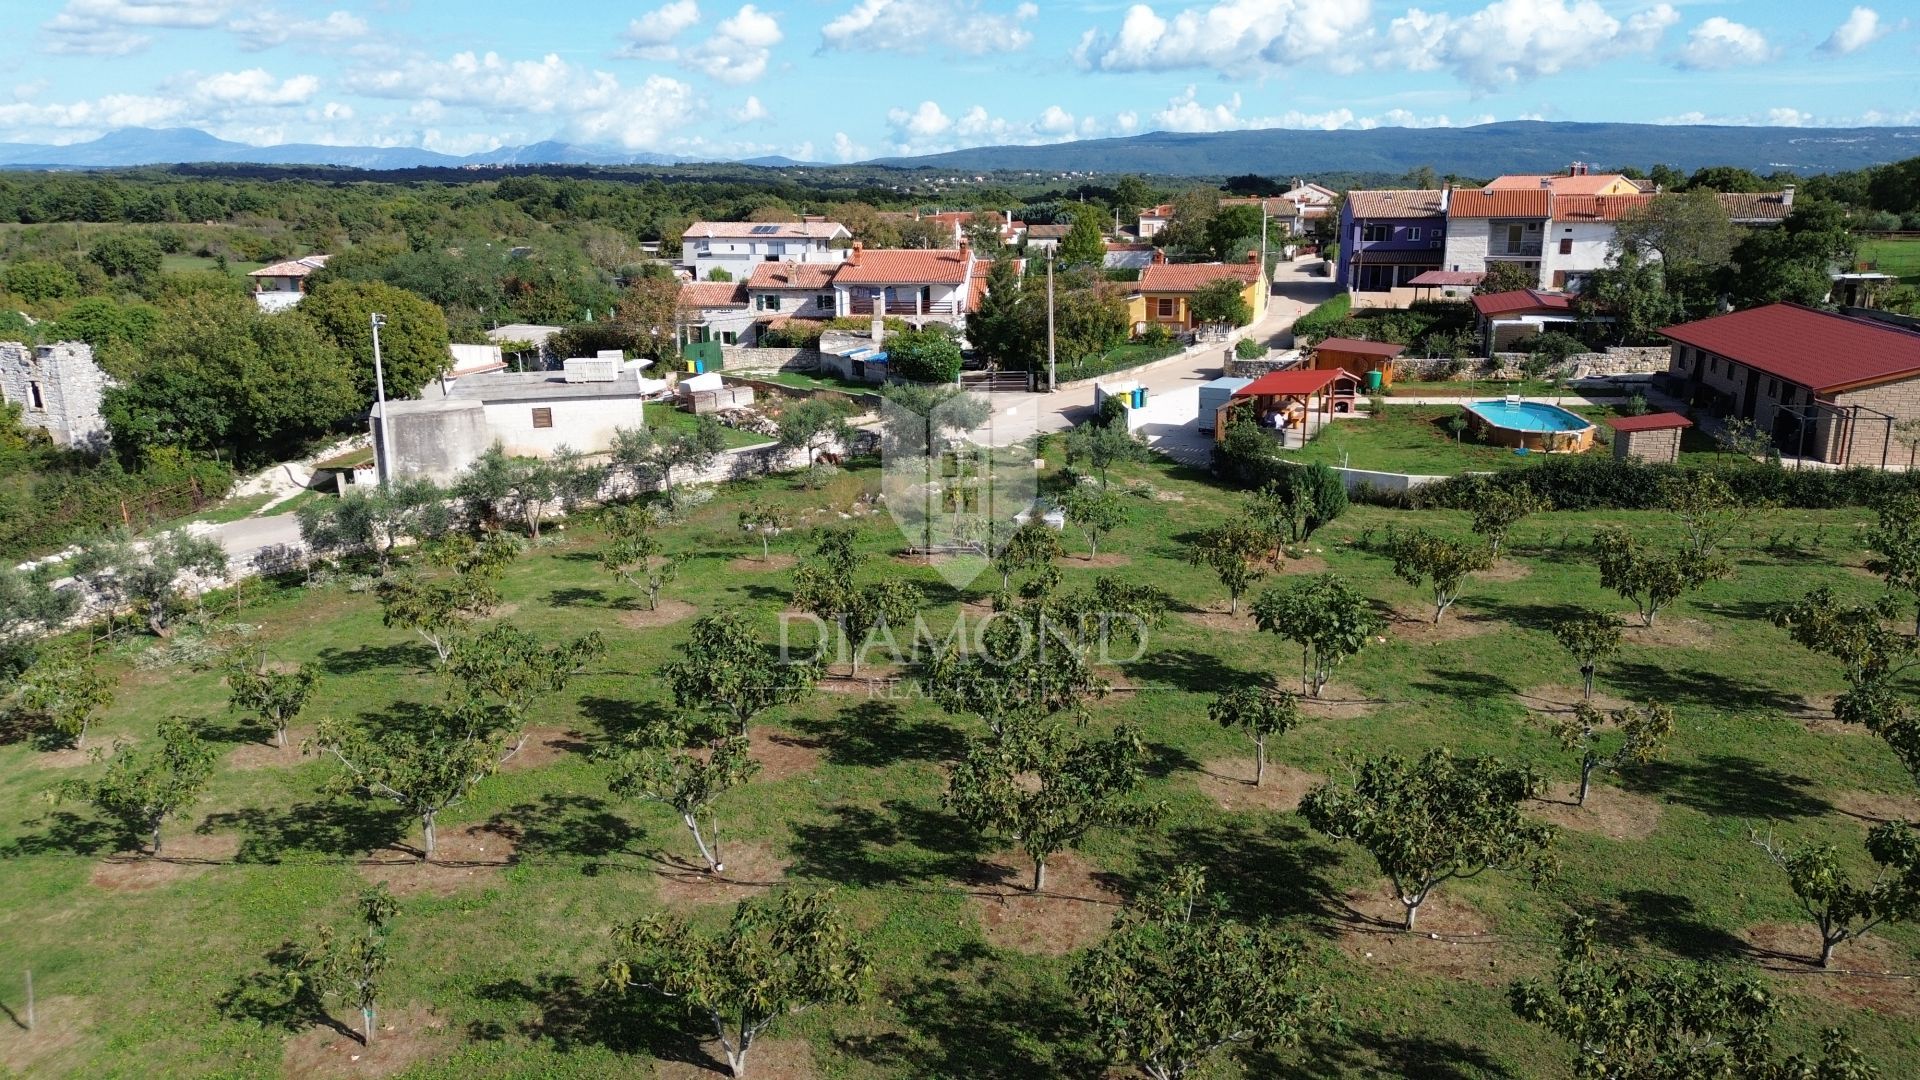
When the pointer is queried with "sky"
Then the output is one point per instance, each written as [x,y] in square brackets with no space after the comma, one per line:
[845,80]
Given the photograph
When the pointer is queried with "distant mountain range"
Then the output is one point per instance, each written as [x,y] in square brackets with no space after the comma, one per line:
[1487,149]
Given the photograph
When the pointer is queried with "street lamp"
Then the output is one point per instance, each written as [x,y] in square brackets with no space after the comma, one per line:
[380,399]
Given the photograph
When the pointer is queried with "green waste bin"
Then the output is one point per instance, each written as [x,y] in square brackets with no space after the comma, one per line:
[1373,381]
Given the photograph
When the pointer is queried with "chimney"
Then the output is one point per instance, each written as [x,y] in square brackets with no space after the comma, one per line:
[1546,183]
[1786,197]
[1007,216]
[1253,256]
[1446,195]
[966,246]
[853,256]
[1159,256]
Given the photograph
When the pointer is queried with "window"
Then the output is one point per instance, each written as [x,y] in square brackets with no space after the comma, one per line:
[543,418]
[1165,307]
[1375,234]
[728,337]
[772,256]
[768,302]
[33,393]
[1514,236]
[828,303]
[1413,233]
[1566,246]
[1773,388]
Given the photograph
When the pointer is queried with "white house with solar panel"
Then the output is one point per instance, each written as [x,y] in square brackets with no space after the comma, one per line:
[739,246]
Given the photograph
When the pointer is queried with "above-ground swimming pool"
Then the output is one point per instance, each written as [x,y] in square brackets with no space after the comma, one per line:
[1534,425]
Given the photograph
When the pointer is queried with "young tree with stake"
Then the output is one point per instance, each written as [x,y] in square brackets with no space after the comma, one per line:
[1260,712]
[1839,909]
[1328,619]
[1177,981]
[1438,562]
[783,953]
[1078,785]
[1644,734]
[1592,637]
[1436,819]
[350,967]
[682,766]
[141,790]
[275,698]
[766,522]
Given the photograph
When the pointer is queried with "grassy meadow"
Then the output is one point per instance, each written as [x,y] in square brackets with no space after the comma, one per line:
[497,950]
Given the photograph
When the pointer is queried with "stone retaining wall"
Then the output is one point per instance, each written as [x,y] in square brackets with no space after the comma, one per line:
[1620,360]
[740,358]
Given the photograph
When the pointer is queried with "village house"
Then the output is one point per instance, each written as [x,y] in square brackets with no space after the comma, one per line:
[1487,226]
[785,290]
[933,285]
[716,311]
[1825,386]
[736,247]
[284,284]
[1154,219]
[1388,238]
[1503,319]
[1164,292]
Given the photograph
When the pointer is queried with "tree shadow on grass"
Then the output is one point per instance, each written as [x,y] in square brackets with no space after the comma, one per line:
[968,1015]
[1728,785]
[564,826]
[1465,685]
[1164,760]
[894,844]
[1542,617]
[1273,869]
[68,833]
[265,997]
[403,655]
[569,1014]
[575,596]
[1668,920]
[1367,1052]
[1697,686]
[1188,669]
[334,828]
[622,717]
[875,733]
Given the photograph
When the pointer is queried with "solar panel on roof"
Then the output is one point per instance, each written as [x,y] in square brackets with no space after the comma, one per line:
[761,230]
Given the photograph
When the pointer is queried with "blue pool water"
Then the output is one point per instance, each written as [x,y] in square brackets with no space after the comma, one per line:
[1529,416]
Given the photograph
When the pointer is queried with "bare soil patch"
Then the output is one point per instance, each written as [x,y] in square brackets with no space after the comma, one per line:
[1874,808]
[182,855]
[754,564]
[1418,627]
[669,612]
[782,755]
[1858,978]
[1816,715]
[464,858]
[1610,812]
[1669,632]
[58,1024]
[1337,701]
[770,1059]
[1073,911]
[1229,782]
[939,559]
[401,1039]
[1505,570]
[752,867]
[544,746]
[66,759]
[1450,939]
[1304,564]
[1223,620]
[1105,558]
[874,680]
[265,755]
[504,611]
[1559,699]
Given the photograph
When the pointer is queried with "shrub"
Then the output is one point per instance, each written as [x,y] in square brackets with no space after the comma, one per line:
[1156,335]
[1249,349]
[1324,321]
[1592,482]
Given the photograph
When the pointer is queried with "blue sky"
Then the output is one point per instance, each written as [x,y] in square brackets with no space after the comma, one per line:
[835,80]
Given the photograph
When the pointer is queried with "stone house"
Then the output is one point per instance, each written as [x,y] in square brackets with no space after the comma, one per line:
[58,389]
[1821,385]
[284,284]
[1654,437]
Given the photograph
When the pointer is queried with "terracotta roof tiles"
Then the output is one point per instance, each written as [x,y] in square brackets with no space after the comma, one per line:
[713,294]
[900,266]
[1395,204]
[1189,277]
[1480,203]
[792,275]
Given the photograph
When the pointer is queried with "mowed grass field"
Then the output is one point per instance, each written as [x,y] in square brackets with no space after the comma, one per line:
[497,953]
[1899,256]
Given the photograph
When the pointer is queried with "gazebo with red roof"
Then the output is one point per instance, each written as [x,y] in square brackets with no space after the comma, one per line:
[1285,400]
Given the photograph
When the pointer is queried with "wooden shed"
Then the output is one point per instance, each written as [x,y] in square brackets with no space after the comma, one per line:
[1358,358]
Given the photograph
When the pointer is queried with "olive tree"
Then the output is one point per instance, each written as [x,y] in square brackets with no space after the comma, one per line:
[61,695]
[725,671]
[1591,636]
[687,767]
[813,425]
[146,574]
[1652,579]
[1840,909]
[1643,735]
[1046,787]
[274,698]
[1102,447]
[653,458]
[1440,563]
[1435,819]
[1177,981]
[766,522]
[29,607]
[142,789]
[1326,617]
[782,953]
[1260,712]
[1233,550]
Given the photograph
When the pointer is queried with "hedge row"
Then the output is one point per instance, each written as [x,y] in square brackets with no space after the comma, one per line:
[1323,320]
[1605,483]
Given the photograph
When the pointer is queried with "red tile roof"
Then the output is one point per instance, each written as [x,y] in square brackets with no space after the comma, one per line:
[1659,421]
[1395,204]
[1817,349]
[292,267]
[1292,381]
[1189,277]
[1597,207]
[1480,203]
[890,266]
[1164,210]
[1490,305]
[1762,207]
[1359,347]
[1583,184]
[791,275]
[713,294]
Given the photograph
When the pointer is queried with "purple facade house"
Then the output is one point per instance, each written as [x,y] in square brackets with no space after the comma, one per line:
[1388,238]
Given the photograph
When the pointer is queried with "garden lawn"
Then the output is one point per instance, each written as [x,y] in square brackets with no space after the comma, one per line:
[132,981]
[805,381]
[665,418]
[1898,256]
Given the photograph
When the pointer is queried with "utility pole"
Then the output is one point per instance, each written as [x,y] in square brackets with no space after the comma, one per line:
[1052,383]
[380,397]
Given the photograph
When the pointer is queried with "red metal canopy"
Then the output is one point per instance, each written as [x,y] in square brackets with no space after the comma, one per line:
[1292,381]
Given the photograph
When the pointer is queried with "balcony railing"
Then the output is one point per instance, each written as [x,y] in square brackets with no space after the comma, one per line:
[866,306]
[1514,251]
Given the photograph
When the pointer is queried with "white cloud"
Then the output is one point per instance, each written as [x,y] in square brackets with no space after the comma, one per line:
[80,120]
[749,111]
[845,149]
[642,117]
[1126,122]
[912,26]
[650,37]
[114,27]
[1721,43]
[1788,117]
[924,122]
[1188,113]
[1862,28]
[1055,120]
[1231,36]
[268,28]
[740,47]
[1513,41]
[254,88]
[927,127]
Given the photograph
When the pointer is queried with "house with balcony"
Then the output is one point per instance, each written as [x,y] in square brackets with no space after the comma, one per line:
[1165,290]
[739,246]
[789,290]
[931,285]
[1487,226]
[284,284]
[1153,220]
[1388,238]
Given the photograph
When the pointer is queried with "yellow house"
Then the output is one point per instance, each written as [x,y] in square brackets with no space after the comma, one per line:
[1164,289]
